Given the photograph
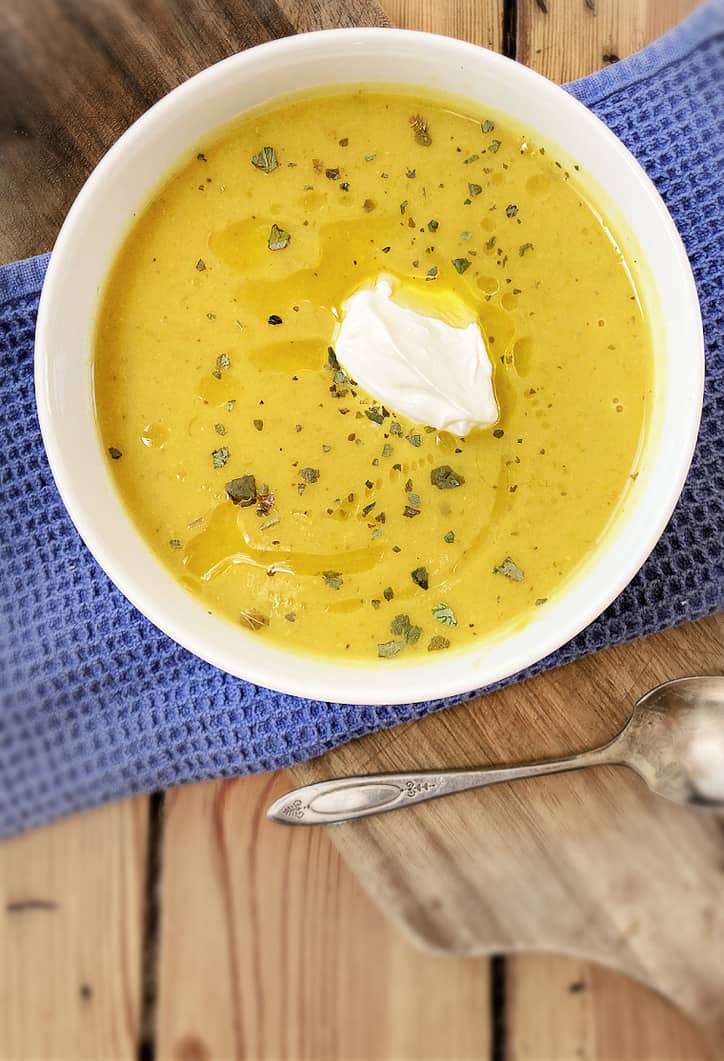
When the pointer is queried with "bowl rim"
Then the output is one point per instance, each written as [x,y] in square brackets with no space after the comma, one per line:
[350,682]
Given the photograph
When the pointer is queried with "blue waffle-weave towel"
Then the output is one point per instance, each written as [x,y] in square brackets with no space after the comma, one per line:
[95,703]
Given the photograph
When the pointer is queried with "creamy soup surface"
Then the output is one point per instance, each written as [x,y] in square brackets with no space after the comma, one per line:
[276,490]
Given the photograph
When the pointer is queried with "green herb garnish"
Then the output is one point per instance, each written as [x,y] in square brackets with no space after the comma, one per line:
[265,159]
[200,265]
[375,414]
[487,126]
[414,440]
[333,579]
[421,129]
[444,478]
[433,225]
[475,189]
[511,210]
[431,273]
[540,600]
[410,511]
[253,620]
[220,456]
[390,648]
[219,429]
[310,475]
[525,247]
[461,264]
[332,173]
[242,491]
[493,146]
[437,643]
[444,614]
[420,577]
[510,569]
[278,238]
[388,593]
[395,428]
[449,537]
[259,425]
[402,627]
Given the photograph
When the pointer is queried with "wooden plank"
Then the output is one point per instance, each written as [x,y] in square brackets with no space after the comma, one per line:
[577,863]
[572,38]
[71,910]
[59,116]
[270,949]
[477,21]
[564,1009]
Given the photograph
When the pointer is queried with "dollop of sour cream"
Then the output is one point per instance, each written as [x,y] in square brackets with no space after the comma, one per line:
[416,364]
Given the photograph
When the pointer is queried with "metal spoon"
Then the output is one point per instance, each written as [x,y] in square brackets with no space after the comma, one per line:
[674,740]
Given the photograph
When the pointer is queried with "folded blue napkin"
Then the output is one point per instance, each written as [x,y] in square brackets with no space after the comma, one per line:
[95,703]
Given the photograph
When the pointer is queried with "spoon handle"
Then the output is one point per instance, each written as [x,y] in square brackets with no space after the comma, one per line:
[344,799]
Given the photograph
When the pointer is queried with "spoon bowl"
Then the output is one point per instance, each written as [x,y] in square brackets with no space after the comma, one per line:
[674,740]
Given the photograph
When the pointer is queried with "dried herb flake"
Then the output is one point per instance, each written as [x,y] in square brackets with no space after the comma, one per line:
[220,456]
[444,614]
[278,238]
[444,478]
[265,160]
[420,577]
[242,490]
[421,129]
[390,648]
[461,264]
[510,569]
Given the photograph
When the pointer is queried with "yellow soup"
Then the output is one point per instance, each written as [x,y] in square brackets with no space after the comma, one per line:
[276,490]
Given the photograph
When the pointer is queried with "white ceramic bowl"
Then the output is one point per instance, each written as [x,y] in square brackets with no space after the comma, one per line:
[122,182]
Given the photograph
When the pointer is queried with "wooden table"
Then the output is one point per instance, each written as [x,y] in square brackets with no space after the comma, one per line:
[186,926]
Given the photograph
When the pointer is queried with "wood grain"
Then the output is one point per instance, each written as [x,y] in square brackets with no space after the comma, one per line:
[561,1007]
[468,20]
[573,38]
[271,950]
[71,910]
[564,1009]
[74,75]
[590,863]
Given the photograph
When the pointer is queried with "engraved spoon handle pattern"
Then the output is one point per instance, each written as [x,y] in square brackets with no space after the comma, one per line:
[344,799]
